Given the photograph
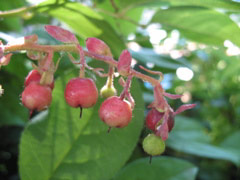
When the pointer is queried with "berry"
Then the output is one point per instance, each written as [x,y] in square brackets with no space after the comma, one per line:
[36,96]
[35,76]
[107,92]
[81,92]
[115,112]
[153,145]
[153,119]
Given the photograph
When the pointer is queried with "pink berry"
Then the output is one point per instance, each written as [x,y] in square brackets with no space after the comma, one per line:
[81,92]
[153,119]
[36,96]
[35,76]
[115,112]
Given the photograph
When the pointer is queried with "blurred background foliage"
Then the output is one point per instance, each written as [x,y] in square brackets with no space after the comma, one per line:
[194,43]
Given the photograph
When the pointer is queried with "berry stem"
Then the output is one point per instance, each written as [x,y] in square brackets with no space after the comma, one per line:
[30,114]
[48,61]
[43,78]
[110,76]
[82,61]
[73,48]
[127,87]
[150,159]
[81,110]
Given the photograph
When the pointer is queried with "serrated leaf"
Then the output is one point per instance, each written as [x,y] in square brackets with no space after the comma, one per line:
[200,24]
[59,145]
[161,168]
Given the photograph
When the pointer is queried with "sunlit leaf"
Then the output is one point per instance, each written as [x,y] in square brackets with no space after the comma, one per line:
[200,24]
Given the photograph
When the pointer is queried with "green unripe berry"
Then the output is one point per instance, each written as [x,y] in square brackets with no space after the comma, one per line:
[153,145]
[107,92]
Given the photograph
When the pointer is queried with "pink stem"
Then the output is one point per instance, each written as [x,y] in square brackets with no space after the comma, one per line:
[48,62]
[73,48]
[82,61]
[127,87]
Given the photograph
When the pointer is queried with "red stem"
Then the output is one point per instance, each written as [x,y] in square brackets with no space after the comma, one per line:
[73,48]
[82,61]
[127,87]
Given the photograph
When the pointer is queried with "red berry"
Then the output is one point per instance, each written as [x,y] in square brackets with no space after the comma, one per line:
[35,76]
[115,112]
[36,96]
[153,119]
[81,92]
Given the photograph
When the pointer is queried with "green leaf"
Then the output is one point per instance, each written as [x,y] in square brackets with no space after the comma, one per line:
[223,4]
[161,168]
[10,23]
[12,113]
[59,145]
[87,23]
[231,140]
[189,136]
[122,26]
[230,144]
[200,24]
[12,79]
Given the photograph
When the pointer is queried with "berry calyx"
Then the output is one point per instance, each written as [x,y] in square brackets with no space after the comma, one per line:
[81,92]
[153,145]
[36,96]
[115,112]
[35,76]
[154,118]
[107,92]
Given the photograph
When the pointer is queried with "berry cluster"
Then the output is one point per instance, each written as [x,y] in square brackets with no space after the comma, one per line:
[81,92]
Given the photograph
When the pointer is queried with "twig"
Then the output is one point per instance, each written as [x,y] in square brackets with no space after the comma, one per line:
[73,48]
